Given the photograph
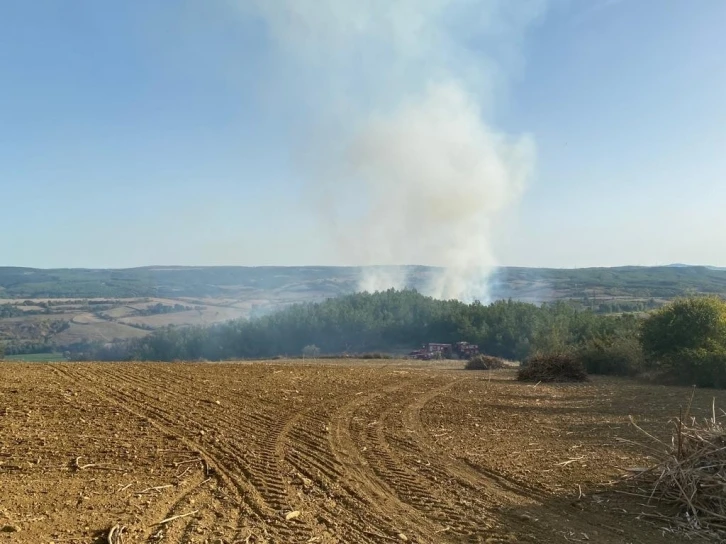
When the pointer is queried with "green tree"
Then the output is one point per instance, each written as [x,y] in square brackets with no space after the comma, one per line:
[686,323]
[687,339]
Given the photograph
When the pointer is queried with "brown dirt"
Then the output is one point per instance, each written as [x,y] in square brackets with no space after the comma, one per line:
[358,452]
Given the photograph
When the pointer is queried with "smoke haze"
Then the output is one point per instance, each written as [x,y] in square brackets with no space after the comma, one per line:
[399,160]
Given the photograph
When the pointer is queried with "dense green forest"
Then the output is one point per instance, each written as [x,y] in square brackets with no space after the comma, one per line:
[393,321]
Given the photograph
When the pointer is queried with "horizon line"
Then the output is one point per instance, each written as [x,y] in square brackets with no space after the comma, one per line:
[494,268]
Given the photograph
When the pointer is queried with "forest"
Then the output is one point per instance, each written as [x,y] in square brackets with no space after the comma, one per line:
[390,321]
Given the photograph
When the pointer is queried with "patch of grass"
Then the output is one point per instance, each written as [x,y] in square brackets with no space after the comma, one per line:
[36,357]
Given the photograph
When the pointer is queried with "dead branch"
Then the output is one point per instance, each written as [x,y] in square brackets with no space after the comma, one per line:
[116,534]
[172,518]
[690,474]
[178,476]
[78,466]
[157,488]
[180,463]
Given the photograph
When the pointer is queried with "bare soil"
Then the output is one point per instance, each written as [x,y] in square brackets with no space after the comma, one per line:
[341,452]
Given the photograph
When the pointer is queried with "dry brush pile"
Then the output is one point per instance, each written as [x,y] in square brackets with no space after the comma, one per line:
[690,476]
[484,362]
[552,367]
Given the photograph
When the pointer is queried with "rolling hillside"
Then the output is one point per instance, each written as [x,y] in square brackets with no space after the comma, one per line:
[539,284]
[55,308]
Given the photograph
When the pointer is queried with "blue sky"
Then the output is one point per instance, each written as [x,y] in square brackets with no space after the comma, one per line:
[136,133]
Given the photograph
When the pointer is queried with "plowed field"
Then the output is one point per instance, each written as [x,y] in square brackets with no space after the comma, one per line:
[345,452]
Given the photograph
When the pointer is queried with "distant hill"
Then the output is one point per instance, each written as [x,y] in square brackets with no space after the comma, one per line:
[218,281]
[681,265]
[619,283]
[319,282]
[48,310]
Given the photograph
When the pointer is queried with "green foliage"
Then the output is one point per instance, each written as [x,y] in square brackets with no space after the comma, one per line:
[619,356]
[687,323]
[686,340]
[699,366]
[390,321]
[160,308]
[10,310]
[552,367]
[373,355]
[37,357]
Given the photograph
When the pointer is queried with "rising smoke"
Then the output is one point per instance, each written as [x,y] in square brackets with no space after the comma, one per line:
[400,161]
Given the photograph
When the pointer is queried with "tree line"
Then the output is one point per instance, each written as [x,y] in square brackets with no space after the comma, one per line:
[682,342]
[389,321]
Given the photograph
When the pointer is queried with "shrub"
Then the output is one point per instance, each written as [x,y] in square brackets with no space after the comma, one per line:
[484,362]
[686,341]
[552,367]
[618,357]
[701,367]
[687,323]
[374,355]
[367,355]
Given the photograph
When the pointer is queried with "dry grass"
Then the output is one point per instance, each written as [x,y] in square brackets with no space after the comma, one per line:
[690,477]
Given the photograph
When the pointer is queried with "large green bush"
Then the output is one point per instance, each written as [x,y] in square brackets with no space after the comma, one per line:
[701,367]
[686,340]
[687,323]
[621,356]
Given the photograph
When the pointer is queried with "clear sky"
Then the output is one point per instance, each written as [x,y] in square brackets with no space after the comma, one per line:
[228,132]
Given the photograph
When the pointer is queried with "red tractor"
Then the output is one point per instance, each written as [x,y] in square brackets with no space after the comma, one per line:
[465,350]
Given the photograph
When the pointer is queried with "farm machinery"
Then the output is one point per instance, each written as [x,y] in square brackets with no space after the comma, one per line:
[460,350]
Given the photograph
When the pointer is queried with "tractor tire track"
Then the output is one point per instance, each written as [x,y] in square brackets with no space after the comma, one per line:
[278,452]
[390,495]
[297,445]
[433,499]
[220,459]
[122,401]
[483,480]
[258,470]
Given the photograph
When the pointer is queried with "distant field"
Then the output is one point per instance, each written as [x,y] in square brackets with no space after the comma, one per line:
[104,331]
[206,316]
[36,357]
[58,323]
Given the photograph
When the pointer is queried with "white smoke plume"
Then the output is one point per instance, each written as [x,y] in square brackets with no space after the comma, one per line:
[400,160]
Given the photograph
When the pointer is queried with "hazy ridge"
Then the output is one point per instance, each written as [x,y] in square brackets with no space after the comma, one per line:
[305,282]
